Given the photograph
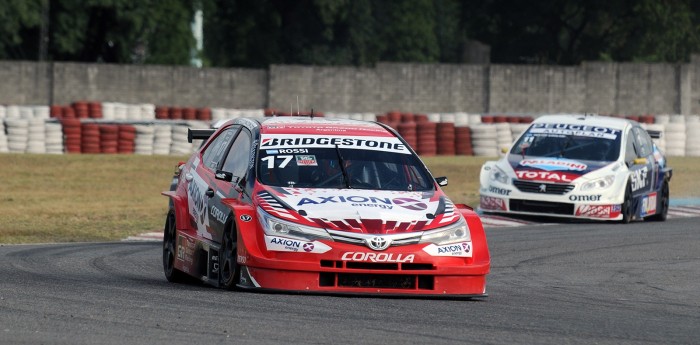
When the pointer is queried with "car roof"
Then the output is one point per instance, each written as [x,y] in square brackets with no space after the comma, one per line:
[322,126]
[585,119]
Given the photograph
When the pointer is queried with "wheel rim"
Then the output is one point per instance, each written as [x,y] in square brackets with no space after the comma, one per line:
[169,245]
[228,266]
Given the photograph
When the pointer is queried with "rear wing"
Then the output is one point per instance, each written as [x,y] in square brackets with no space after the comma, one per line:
[199,134]
[654,134]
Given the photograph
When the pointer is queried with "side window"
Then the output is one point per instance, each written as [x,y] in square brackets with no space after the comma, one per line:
[238,157]
[630,150]
[214,153]
[643,141]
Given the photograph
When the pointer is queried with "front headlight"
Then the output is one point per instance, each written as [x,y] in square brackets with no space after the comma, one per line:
[277,227]
[457,232]
[498,175]
[600,183]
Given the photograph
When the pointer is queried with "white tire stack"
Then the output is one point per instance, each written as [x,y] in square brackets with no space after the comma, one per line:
[218,114]
[12,112]
[355,116]
[474,119]
[461,119]
[484,140]
[36,134]
[448,117]
[180,145]
[369,116]
[434,117]
[17,132]
[41,112]
[662,119]
[3,113]
[162,139]
[3,137]
[517,129]
[504,135]
[675,139]
[108,110]
[133,112]
[120,111]
[54,138]
[692,144]
[143,144]
[26,112]
[147,111]
[661,128]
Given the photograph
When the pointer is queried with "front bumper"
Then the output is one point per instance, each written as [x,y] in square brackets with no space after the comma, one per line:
[354,269]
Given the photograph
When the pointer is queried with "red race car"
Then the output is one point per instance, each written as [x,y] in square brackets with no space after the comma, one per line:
[319,205]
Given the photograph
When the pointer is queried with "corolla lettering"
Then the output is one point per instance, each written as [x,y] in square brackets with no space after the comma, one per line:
[377,257]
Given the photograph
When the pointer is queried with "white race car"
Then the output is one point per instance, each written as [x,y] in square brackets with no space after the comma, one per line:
[579,166]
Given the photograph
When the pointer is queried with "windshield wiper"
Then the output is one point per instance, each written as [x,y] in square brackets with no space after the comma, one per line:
[342,167]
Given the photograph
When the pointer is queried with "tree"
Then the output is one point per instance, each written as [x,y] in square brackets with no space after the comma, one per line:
[19,29]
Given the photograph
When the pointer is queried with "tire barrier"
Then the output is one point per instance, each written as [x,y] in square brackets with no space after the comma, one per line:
[463,141]
[163,138]
[504,136]
[179,145]
[484,139]
[36,136]
[3,137]
[675,138]
[692,144]
[72,134]
[90,138]
[127,135]
[446,139]
[109,138]
[409,132]
[143,144]
[426,135]
[17,131]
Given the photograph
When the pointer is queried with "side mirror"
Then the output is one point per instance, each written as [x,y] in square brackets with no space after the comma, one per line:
[640,161]
[224,176]
[441,181]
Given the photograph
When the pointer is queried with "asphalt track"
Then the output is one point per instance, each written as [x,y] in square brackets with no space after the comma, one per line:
[577,283]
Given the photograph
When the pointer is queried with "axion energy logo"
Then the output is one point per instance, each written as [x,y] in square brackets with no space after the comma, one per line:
[365,201]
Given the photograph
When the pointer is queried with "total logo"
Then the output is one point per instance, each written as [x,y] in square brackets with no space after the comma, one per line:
[552,176]
[462,249]
[281,244]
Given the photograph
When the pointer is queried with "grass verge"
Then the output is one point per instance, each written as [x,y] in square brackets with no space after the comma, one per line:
[71,198]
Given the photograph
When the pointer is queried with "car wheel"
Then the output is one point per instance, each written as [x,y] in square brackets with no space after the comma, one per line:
[627,211]
[169,244]
[229,272]
[663,212]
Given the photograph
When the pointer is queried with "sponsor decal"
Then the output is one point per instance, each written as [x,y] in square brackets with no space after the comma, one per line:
[242,259]
[463,249]
[576,130]
[639,178]
[585,197]
[598,211]
[218,214]
[185,249]
[499,191]
[550,176]
[492,203]
[306,160]
[649,205]
[377,257]
[281,244]
[554,164]
[314,141]
[365,201]
[283,151]
[246,218]
[198,204]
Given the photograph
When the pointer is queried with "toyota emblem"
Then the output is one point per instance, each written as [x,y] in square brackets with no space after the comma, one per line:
[378,243]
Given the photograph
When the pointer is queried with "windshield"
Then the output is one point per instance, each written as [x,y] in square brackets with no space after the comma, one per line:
[569,141]
[361,169]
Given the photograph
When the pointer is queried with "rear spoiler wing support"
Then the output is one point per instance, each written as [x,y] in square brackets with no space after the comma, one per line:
[199,134]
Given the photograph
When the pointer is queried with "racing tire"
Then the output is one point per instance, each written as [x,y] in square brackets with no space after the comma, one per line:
[627,211]
[661,216]
[229,272]
[169,244]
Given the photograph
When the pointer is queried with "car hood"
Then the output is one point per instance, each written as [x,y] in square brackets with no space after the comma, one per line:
[359,210]
[552,169]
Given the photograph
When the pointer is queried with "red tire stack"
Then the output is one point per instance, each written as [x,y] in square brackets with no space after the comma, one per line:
[649,119]
[463,141]
[394,116]
[90,138]
[81,109]
[162,113]
[204,114]
[175,113]
[56,111]
[68,112]
[526,119]
[109,138]
[127,135]
[407,130]
[95,110]
[486,119]
[633,117]
[446,138]
[421,118]
[189,113]
[71,134]
[427,144]
[499,119]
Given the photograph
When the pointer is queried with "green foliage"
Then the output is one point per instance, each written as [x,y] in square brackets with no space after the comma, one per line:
[352,32]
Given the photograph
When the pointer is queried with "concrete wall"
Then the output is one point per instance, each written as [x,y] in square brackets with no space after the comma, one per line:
[595,87]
